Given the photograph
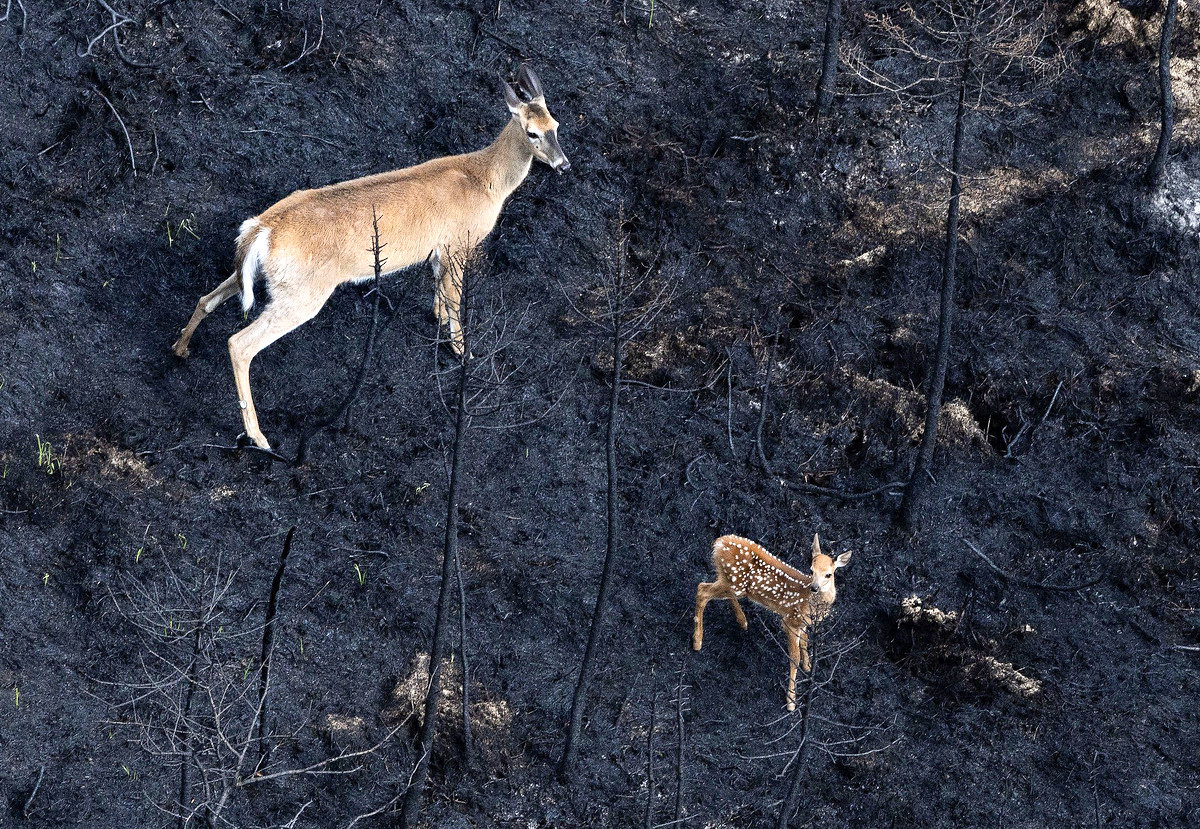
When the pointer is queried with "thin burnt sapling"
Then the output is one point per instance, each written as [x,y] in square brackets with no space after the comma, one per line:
[343,410]
[191,708]
[628,306]
[829,60]
[481,374]
[985,55]
[1166,98]
[415,793]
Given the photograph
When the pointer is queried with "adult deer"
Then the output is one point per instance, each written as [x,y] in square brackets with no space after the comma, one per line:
[311,242]
[746,569]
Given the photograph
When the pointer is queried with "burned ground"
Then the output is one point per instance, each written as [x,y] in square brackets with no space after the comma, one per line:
[1069,454]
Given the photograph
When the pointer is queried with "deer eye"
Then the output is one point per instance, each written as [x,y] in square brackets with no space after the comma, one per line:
[533,136]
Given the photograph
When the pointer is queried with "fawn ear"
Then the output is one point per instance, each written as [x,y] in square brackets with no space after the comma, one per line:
[816,546]
[842,560]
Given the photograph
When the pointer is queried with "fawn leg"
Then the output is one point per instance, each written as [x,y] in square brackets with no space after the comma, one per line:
[704,594]
[737,611]
[794,651]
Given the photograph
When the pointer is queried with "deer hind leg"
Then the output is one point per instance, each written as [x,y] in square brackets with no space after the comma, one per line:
[207,304]
[705,593]
[283,314]
[737,611]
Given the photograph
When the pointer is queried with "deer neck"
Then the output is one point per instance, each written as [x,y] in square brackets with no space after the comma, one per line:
[827,597]
[507,159]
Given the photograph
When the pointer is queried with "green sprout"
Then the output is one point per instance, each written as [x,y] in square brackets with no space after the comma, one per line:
[175,231]
[47,461]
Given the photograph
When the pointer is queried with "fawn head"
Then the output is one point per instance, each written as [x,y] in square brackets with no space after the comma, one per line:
[528,106]
[822,570]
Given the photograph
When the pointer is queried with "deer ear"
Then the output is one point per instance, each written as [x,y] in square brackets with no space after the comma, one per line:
[528,79]
[511,97]
[816,550]
[842,560]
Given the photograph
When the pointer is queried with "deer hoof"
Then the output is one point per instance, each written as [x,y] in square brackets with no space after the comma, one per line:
[246,441]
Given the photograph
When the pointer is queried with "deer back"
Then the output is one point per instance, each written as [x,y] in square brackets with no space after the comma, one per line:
[445,203]
[761,577]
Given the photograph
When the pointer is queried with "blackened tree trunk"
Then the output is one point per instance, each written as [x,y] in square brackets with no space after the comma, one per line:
[1166,98]
[587,668]
[792,800]
[416,789]
[915,494]
[467,754]
[829,60]
[343,410]
[268,650]
[679,742]
[187,739]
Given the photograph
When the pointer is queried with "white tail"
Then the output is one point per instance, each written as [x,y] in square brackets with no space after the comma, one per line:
[311,242]
[255,238]
[745,569]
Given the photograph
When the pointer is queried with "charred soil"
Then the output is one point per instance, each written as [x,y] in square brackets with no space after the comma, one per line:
[1029,659]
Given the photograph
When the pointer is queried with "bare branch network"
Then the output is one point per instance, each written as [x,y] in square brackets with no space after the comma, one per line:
[622,305]
[919,54]
[498,369]
[195,706]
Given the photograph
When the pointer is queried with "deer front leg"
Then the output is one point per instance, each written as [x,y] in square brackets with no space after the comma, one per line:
[794,652]
[802,636]
[450,297]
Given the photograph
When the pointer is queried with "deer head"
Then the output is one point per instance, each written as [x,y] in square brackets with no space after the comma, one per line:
[822,571]
[528,106]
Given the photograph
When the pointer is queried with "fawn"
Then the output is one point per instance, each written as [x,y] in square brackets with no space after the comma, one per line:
[746,569]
